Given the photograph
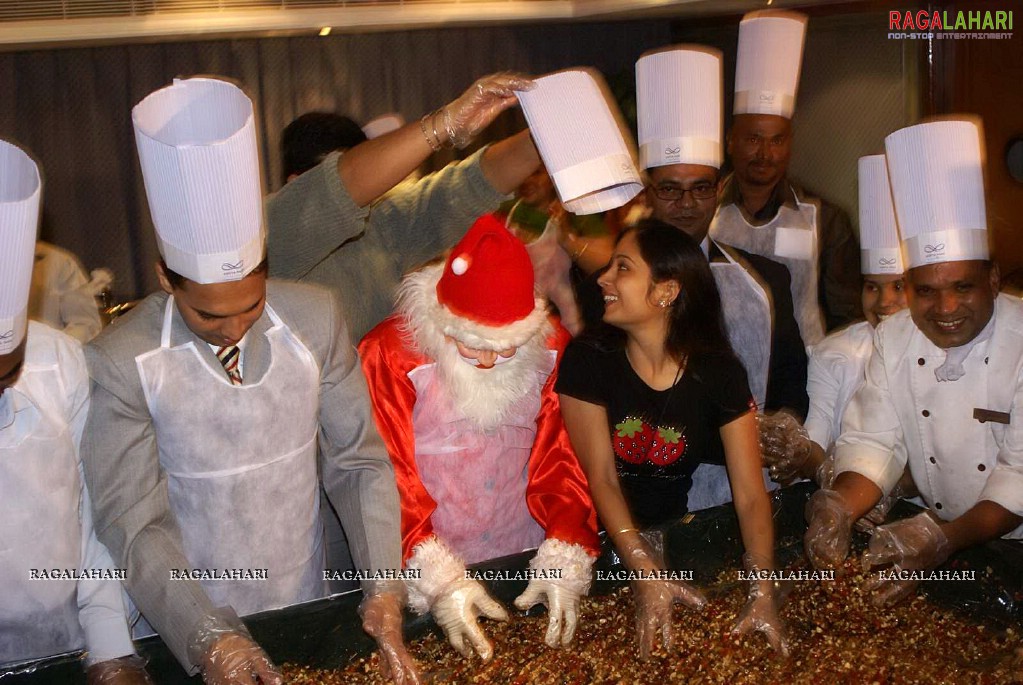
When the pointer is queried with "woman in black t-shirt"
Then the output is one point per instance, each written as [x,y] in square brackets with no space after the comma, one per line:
[648,398]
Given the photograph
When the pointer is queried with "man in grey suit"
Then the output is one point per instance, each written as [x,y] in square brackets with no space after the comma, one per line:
[220,402]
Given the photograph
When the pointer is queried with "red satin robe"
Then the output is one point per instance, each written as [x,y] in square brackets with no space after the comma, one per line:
[556,499]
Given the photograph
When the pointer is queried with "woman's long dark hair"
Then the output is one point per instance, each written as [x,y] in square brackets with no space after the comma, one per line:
[696,326]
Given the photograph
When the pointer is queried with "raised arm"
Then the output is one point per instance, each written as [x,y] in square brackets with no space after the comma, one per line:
[372,168]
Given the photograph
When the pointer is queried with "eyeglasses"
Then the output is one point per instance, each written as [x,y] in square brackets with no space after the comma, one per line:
[671,193]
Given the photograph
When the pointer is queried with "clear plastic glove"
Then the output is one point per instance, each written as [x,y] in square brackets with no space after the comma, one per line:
[785,446]
[559,594]
[551,267]
[455,611]
[236,659]
[915,544]
[478,106]
[829,534]
[655,599]
[127,670]
[761,610]
[227,655]
[825,477]
[655,602]
[381,618]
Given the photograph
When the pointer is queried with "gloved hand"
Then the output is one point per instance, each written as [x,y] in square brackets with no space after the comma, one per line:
[560,595]
[226,654]
[825,477]
[761,610]
[914,544]
[655,599]
[830,531]
[455,611]
[478,106]
[380,610]
[127,670]
[454,600]
[235,659]
[785,446]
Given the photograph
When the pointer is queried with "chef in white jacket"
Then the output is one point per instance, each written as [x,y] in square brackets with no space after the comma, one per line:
[838,363]
[944,382]
[60,590]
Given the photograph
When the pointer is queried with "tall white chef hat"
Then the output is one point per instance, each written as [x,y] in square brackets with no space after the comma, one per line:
[20,190]
[768,63]
[385,123]
[581,141]
[937,179]
[880,251]
[197,146]
[678,99]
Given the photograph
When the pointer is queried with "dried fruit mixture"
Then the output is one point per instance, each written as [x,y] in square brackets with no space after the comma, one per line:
[836,636]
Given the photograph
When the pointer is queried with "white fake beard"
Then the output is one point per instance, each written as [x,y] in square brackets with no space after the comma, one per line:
[486,396]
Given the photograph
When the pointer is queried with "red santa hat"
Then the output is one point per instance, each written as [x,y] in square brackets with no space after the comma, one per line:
[486,289]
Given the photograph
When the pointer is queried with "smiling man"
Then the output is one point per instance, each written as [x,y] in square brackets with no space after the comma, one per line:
[462,379]
[220,403]
[945,380]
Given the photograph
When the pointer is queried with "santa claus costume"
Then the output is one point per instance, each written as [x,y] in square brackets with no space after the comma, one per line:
[462,380]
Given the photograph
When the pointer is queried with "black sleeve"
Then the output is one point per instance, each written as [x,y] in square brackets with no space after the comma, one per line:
[840,281]
[786,376]
[727,388]
[580,373]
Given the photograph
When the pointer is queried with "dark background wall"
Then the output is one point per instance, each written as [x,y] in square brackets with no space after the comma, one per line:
[71,107]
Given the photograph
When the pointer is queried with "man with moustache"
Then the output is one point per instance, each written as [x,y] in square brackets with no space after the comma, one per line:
[462,380]
[679,107]
[943,383]
[761,210]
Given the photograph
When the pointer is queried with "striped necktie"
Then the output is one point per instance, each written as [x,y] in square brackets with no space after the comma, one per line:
[228,356]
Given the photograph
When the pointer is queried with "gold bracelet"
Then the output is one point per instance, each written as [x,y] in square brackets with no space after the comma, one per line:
[624,530]
[436,135]
[434,145]
[575,257]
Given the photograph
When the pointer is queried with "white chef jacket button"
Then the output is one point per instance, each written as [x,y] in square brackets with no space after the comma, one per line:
[921,361]
[981,467]
[935,461]
[985,359]
[937,505]
[925,413]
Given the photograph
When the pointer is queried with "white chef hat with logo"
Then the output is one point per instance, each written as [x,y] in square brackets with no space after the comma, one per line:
[880,250]
[197,146]
[937,180]
[20,192]
[678,102]
[385,123]
[768,63]
[581,141]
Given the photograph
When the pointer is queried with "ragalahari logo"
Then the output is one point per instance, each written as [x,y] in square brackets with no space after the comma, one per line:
[945,25]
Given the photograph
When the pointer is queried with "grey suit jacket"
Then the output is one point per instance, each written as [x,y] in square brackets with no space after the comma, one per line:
[129,488]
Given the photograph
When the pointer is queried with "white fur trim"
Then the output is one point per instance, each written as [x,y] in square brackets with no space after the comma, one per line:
[438,567]
[417,300]
[574,562]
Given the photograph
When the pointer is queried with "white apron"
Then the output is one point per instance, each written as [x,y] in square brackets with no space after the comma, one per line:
[790,238]
[241,466]
[477,479]
[39,528]
[748,320]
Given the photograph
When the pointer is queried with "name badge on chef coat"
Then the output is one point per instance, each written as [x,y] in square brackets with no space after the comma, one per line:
[985,415]
[793,243]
